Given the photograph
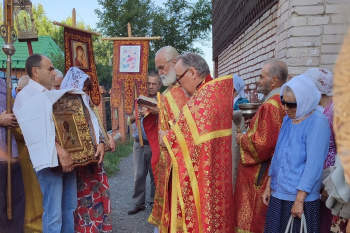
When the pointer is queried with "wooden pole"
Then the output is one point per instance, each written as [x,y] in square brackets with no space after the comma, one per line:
[29,42]
[75,28]
[139,128]
[9,137]
[129,30]
[74,18]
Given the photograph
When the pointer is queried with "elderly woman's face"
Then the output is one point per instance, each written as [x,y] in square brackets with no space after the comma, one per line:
[289,99]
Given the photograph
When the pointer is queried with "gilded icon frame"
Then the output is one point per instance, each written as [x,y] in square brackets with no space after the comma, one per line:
[78,138]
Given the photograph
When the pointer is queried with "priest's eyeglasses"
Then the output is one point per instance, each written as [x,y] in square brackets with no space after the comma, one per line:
[180,77]
[288,104]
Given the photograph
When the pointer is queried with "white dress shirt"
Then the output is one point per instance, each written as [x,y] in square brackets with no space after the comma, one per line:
[33,110]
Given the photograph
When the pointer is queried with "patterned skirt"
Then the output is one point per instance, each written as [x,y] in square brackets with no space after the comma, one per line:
[279,212]
[93,213]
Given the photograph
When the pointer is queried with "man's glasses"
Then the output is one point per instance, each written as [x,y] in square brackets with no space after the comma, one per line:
[288,104]
[180,77]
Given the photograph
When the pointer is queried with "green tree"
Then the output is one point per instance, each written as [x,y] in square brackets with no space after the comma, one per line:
[180,23]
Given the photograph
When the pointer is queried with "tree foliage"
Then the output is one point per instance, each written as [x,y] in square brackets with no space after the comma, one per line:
[180,23]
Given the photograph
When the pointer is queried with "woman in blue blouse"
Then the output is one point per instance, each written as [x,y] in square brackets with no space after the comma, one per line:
[296,167]
[239,92]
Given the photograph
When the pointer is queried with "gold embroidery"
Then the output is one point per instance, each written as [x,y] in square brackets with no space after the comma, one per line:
[198,139]
[191,173]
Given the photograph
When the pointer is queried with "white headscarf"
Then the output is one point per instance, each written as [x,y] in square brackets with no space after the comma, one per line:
[323,79]
[306,94]
[74,78]
[239,87]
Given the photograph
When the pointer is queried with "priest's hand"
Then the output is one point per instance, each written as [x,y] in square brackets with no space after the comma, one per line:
[65,159]
[161,134]
[267,193]
[100,151]
[8,120]
[152,109]
[238,138]
[247,122]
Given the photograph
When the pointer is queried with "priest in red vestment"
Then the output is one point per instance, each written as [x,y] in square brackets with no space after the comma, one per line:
[257,147]
[199,145]
[170,104]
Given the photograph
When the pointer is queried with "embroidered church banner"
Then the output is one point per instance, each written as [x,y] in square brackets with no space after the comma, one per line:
[130,67]
[79,53]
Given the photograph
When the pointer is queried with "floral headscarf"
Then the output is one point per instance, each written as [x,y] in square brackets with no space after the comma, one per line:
[239,87]
[306,94]
[323,80]
[74,78]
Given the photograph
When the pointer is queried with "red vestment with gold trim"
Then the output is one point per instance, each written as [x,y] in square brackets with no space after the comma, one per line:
[257,148]
[173,99]
[199,145]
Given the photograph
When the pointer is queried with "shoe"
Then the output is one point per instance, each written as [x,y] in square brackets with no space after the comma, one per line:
[135,210]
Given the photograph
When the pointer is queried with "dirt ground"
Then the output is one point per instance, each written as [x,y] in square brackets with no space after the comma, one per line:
[121,187]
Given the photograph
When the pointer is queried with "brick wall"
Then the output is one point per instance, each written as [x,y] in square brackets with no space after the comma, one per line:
[310,33]
[247,53]
[303,33]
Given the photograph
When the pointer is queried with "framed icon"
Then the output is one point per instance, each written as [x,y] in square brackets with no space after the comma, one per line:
[74,130]
[80,58]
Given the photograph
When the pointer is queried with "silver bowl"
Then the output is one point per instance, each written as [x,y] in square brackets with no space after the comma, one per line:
[249,109]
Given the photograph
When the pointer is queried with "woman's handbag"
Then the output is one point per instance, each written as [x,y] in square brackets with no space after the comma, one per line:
[302,224]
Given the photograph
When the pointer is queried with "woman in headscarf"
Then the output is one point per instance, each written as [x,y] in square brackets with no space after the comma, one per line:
[323,79]
[296,167]
[93,213]
[239,99]
[239,92]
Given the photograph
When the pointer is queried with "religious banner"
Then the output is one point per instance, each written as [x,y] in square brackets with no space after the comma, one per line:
[130,67]
[79,53]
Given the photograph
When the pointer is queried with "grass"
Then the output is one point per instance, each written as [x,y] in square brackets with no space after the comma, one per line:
[112,159]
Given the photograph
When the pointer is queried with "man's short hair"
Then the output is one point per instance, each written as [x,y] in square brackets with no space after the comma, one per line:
[58,73]
[154,73]
[23,81]
[277,68]
[169,52]
[33,60]
[194,60]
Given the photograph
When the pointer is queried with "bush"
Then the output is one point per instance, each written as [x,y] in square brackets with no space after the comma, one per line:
[112,159]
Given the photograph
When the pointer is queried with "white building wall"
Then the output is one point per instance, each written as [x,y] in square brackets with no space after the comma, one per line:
[303,33]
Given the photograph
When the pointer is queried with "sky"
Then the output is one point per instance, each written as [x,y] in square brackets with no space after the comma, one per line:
[62,9]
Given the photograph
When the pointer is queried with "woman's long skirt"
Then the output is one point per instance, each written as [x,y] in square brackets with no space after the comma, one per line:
[279,212]
[93,213]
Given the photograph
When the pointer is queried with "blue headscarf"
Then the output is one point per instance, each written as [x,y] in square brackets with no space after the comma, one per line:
[306,94]
[239,87]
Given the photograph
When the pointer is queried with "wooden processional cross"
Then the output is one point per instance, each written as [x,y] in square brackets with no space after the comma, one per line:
[130,80]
